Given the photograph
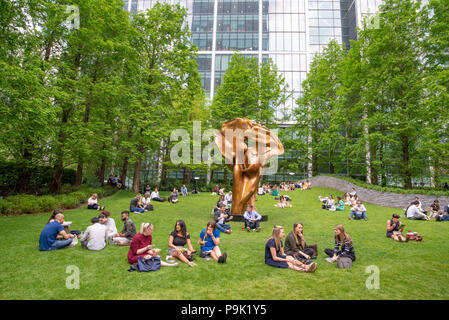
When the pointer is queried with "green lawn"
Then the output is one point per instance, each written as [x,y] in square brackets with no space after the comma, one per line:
[407,270]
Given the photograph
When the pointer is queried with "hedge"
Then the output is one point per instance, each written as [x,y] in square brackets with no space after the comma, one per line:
[25,203]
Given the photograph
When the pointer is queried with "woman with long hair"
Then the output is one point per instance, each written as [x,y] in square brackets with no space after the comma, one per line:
[295,244]
[275,256]
[343,241]
[176,242]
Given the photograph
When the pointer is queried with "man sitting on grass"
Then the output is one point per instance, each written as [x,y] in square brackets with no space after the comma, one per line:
[53,236]
[129,230]
[413,212]
[358,211]
[95,236]
[222,215]
[252,219]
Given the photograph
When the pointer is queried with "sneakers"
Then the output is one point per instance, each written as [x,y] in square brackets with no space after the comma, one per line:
[248,229]
[329,260]
[258,229]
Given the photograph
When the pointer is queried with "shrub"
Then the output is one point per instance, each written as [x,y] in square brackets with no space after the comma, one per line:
[5,206]
[67,201]
[46,203]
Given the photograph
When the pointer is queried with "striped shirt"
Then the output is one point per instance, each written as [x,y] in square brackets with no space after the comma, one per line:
[347,247]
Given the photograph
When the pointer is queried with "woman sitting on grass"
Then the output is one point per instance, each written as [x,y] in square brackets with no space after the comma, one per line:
[395,228]
[275,256]
[209,241]
[343,240]
[173,198]
[340,205]
[92,203]
[347,199]
[141,246]
[176,242]
[283,203]
[295,244]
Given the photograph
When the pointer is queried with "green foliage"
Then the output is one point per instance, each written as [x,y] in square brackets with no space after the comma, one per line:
[249,90]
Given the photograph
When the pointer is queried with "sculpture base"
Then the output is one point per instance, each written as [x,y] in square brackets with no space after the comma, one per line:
[239,218]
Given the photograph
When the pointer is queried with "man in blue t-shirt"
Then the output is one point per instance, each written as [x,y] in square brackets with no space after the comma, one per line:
[53,236]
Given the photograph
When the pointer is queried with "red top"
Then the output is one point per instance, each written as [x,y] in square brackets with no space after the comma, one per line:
[139,241]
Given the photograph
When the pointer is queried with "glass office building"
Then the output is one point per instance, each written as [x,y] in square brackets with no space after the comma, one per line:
[289,32]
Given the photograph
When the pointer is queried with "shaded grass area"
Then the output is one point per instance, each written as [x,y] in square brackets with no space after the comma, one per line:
[407,270]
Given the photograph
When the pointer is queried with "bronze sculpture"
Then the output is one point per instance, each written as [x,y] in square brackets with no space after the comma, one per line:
[247,148]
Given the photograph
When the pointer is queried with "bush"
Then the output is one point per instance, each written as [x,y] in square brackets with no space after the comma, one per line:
[25,203]
[68,201]
[5,206]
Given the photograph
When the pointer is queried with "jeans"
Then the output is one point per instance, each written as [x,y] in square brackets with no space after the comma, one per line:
[59,244]
[358,215]
[446,209]
[444,218]
[92,206]
[132,209]
[223,227]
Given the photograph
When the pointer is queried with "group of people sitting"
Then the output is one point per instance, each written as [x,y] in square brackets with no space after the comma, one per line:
[358,210]
[415,211]
[103,231]
[140,204]
[297,255]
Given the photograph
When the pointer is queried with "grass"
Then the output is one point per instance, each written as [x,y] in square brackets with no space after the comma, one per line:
[407,270]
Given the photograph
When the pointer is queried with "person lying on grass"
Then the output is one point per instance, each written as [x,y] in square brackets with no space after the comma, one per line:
[209,241]
[177,240]
[53,236]
[295,244]
[92,203]
[275,256]
[395,228]
[141,246]
[129,230]
[343,241]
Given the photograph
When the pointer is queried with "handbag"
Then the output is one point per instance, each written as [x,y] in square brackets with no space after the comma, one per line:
[151,264]
[344,262]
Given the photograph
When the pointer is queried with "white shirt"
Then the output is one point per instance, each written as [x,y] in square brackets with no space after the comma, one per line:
[95,236]
[154,195]
[110,227]
[92,201]
[146,200]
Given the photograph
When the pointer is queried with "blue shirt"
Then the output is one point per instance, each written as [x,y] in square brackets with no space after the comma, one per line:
[252,215]
[48,235]
[209,242]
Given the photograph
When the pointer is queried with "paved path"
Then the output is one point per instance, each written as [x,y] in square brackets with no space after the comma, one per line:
[386,199]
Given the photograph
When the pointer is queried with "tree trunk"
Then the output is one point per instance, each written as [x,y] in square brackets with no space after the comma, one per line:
[406,162]
[136,178]
[25,174]
[124,170]
[310,170]
[79,172]
[367,149]
[374,171]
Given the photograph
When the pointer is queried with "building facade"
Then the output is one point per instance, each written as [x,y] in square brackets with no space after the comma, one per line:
[290,32]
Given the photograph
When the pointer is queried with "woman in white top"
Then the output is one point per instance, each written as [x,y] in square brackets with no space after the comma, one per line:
[282,203]
[146,200]
[92,203]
